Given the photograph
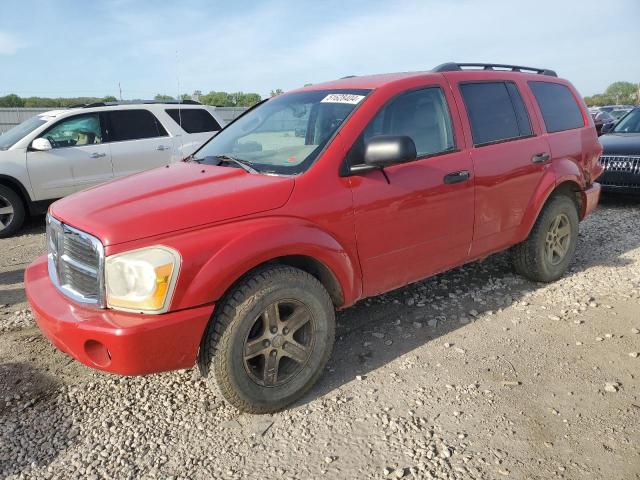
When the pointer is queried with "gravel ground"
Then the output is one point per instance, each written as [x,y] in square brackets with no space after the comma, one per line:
[475,373]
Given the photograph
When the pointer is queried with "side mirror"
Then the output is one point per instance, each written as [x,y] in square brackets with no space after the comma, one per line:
[384,150]
[41,145]
[607,127]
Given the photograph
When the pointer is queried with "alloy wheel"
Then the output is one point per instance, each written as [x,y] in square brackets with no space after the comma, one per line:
[279,343]
[558,239]
[6,212]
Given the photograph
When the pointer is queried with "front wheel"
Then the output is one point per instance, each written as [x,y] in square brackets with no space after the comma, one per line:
[269,340]
[12,211]
[546,254]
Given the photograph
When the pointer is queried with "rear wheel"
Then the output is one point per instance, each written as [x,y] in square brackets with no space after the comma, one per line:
[12,211]
[269,340]
[546,254]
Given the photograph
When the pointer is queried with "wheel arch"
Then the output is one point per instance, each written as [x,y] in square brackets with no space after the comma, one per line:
[547,189]
[300,245]
[571,189]
[15,185]
[317,269]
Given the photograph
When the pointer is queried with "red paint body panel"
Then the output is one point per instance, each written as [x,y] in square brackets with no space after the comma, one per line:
[416,225]
[590,198]
[371,235]
[138,344]
[168,199]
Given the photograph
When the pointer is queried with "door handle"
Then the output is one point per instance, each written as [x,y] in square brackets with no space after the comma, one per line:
[540,157]
[457,177]
[162,147]
[97,155]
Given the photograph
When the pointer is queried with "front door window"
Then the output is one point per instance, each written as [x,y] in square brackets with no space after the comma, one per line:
[77,131]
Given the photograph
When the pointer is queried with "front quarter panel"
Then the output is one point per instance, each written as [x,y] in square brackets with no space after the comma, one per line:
[216,257]
[13,169]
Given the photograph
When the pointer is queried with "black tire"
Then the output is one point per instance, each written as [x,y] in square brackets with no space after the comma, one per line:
[240,321]
[10,222]
[531,258]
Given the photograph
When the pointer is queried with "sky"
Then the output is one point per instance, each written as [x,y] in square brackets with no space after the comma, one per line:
[86,48]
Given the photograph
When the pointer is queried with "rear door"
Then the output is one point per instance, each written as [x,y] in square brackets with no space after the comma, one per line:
[562,115]
[80,157]
[509,158]
[420,221]
[138,141]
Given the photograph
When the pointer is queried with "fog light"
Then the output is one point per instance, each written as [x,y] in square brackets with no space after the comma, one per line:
[97,353]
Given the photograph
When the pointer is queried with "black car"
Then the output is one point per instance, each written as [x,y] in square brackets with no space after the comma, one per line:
[621,155]
[603,121]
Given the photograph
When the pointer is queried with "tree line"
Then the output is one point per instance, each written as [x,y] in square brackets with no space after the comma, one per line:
[618,93]
[219,99]
[214,98]
[14,101]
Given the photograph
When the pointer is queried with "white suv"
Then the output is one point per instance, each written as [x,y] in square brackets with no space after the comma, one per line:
[61,152]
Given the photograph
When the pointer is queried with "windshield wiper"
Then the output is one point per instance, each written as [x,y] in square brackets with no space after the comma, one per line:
[242,163]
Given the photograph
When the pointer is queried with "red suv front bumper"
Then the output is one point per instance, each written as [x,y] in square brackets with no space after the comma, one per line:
[118,342]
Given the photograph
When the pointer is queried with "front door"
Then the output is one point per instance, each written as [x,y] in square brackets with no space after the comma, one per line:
[420,221]
[79,158]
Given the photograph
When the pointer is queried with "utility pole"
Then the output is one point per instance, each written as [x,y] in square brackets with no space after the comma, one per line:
[120,89]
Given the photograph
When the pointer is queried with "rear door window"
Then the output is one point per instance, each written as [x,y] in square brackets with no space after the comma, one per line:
[496,112]
[559,108]
[134,125]
[194,120]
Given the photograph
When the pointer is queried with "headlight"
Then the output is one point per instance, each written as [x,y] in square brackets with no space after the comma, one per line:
[142,280]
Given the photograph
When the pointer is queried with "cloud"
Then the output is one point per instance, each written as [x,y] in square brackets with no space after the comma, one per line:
[152,47]
[284,44]
[9,44]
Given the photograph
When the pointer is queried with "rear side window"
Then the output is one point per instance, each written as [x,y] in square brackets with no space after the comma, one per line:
[558,106]
[134,125]
[194,120]
[496,112]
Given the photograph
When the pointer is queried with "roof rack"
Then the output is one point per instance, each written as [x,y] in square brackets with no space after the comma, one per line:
[456,67]
[136,102]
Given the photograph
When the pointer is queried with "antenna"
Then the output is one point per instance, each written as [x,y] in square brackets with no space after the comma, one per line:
[179,100]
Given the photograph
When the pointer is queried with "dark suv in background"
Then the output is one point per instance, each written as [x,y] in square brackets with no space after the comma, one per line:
[621,155]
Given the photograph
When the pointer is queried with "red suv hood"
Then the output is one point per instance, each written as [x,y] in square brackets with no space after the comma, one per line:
[171,198]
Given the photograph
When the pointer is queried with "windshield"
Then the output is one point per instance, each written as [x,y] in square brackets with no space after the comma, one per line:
[10,137]
[285,134]
[630,123]
[618,114]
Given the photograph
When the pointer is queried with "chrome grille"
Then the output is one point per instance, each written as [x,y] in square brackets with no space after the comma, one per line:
[76,261]
[621,163]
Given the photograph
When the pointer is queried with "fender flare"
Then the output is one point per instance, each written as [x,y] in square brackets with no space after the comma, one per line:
[564,172]
[251,247]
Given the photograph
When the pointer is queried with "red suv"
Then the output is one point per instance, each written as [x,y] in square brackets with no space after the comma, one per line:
[238,257]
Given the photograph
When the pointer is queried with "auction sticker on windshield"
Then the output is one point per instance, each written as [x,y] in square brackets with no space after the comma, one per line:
[342,98]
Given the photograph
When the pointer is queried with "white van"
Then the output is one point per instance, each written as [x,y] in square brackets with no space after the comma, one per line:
[61,152]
